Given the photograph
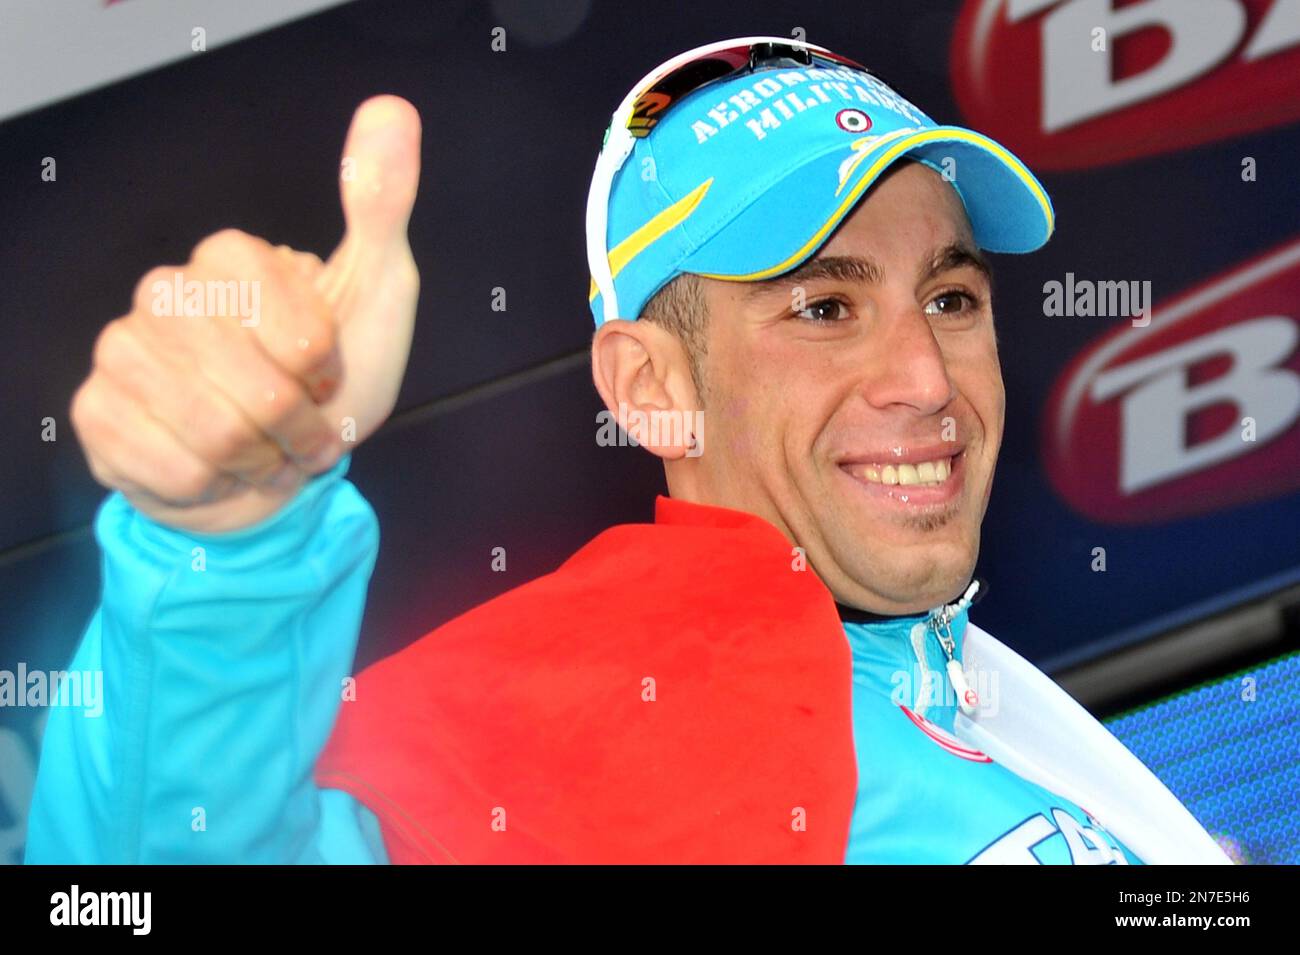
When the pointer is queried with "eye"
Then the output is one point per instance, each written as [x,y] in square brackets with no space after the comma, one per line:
[824,311]
[951,302]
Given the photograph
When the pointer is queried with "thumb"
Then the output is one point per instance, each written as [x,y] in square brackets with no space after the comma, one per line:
[371,282]
[380,171]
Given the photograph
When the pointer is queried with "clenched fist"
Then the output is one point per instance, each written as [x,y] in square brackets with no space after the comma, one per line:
[237,376]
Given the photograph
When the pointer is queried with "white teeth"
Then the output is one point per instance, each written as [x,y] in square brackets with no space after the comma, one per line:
[925,473]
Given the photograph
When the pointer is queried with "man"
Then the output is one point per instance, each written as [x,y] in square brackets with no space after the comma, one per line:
[780,669]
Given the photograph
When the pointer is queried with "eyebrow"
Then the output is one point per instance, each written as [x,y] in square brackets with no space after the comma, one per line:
[855,268]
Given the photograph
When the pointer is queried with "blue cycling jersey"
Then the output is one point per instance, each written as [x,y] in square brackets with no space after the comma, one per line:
[224,655]
[924,796]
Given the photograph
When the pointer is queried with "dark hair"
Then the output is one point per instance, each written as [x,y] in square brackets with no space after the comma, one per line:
[680,307]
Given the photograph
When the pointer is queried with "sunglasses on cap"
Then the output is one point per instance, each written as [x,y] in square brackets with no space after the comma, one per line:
[648,101]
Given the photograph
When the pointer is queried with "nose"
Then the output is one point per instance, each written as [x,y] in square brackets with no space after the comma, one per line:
[907,366]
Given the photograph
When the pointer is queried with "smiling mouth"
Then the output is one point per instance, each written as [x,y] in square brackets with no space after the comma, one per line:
[918,483]
[922,474]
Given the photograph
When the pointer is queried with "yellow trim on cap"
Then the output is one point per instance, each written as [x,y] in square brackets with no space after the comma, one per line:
[889,155]
[652,231]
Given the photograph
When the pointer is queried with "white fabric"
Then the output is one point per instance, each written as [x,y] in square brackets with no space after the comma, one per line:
[1037,730]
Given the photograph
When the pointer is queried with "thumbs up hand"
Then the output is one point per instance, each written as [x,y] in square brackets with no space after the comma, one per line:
[239,375]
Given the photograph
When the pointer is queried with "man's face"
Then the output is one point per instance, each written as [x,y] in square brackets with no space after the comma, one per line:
[867,425]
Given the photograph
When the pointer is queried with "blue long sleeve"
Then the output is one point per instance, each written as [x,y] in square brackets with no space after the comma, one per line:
[223,658]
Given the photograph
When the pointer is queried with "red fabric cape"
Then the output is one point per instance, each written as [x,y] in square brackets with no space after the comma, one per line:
[523,731]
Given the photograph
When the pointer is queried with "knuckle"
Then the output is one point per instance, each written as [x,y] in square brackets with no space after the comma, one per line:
[304,263]
[222,244]
[232,251]
[146,297]
[110,345]
[86,409]
[79,411]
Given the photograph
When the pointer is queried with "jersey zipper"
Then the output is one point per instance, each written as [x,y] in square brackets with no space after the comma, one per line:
[940,624]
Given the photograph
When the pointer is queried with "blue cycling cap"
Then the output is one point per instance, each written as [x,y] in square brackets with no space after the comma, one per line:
[746,176]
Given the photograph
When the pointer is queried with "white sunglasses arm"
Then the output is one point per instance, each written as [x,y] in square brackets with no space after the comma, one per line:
[619,145]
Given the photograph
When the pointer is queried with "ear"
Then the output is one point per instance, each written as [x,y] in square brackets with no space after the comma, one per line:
[644,377]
